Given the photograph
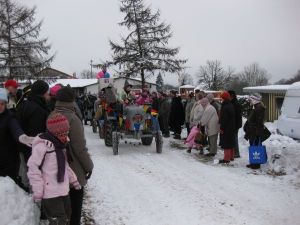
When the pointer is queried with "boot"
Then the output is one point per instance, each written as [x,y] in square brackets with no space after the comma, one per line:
[223,161]
[254,166]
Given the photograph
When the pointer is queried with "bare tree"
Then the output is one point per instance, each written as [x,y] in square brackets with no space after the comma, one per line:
[213,76]
[86,74]
[291,80]
[22,52]
[184,79]
[254,75]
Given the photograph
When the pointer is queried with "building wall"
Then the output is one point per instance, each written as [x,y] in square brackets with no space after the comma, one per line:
[271,101]
[119,85]
[92,89]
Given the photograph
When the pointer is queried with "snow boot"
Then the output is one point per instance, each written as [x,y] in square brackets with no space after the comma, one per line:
[254,166]
[222,161]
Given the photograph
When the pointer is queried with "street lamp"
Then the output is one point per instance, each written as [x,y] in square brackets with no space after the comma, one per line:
[91,68]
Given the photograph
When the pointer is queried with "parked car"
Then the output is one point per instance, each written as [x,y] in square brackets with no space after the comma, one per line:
[289,120]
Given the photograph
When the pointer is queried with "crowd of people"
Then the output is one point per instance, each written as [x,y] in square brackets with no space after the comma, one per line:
[43,146]
[209,121]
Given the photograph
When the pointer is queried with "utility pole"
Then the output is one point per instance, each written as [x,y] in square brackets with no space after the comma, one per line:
[91,68]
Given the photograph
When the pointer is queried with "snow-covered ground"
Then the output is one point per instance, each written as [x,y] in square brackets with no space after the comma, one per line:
[140,187]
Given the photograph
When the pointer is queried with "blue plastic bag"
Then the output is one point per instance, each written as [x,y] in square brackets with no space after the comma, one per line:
[258,154]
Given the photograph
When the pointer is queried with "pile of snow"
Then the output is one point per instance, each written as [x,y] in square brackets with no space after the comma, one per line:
[17,207]
[283,153]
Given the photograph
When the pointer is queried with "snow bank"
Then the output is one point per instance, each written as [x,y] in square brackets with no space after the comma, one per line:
[283,153]
[17,208]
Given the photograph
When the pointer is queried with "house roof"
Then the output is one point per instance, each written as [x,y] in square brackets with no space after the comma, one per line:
[267,89]
[135,79]
[55,73]
[75,83]
[187,86]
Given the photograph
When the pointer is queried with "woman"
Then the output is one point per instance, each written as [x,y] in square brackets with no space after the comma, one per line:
[254,127]
[80,162]
[227,128]
[210,120]
[10,134]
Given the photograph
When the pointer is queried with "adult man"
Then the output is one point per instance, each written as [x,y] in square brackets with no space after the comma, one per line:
[176,119]
[14,94]
[163,115]
[32,113]
[238,121]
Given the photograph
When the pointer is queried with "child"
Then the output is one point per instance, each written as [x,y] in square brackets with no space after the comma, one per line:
[49,172]
[190,141]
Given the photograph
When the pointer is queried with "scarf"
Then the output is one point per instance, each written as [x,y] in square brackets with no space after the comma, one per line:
[60,156]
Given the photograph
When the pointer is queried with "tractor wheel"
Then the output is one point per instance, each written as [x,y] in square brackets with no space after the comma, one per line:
[108,133]
[94,126]
[159,142]
[115,143]
[147,140]
[101,132]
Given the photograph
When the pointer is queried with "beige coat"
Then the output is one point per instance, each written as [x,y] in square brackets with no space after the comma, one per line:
[210,120]
[196,114]
[80,161]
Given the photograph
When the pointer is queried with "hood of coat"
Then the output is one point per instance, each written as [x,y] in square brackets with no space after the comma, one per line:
[37,140]
[65,105]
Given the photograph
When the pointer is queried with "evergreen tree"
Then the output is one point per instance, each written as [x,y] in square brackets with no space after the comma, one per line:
[145,48]
[160,82]
[22,52]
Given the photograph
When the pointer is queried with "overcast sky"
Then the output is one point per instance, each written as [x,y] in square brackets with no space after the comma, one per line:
[237,32]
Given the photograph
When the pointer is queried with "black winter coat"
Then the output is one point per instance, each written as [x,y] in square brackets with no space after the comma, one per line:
[32,115]
[254,127]
[227,125]
[238,114]
[9,136]
[176,117]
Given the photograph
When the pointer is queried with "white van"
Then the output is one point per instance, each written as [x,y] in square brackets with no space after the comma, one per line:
[289,120]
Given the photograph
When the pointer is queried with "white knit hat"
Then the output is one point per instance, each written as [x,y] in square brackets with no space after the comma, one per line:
[255,98]
[3,95]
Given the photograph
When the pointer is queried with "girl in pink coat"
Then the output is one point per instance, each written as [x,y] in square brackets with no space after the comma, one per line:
[190,141]
[49,173]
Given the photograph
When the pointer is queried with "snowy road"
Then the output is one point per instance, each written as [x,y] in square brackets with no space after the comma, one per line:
[140,187]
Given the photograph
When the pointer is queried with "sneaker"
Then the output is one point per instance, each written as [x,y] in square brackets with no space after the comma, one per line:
[166,135]
[223,161]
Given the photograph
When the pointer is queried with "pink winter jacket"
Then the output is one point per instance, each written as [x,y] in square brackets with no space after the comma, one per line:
[143,100]
[190,141]
[44,181]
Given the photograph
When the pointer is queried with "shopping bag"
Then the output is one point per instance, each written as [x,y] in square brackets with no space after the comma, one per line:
[200,138]
[258,154]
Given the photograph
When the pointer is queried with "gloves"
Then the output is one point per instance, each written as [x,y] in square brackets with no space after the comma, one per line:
[76,185]
[26,140]
[88,175]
